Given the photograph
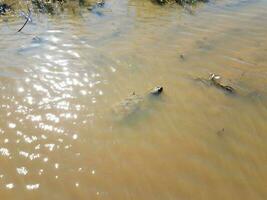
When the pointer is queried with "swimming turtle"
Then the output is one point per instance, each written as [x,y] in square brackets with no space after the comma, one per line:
[216,80]
[133,103]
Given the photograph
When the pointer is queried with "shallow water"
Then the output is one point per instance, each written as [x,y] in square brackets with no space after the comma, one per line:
[61,76]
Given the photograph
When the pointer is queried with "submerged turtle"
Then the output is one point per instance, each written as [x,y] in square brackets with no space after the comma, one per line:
[127,107]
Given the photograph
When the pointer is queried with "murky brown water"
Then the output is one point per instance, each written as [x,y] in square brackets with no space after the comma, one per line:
[61,76]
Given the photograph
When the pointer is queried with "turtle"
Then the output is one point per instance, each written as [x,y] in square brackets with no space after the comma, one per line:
[216,80]
[133,103]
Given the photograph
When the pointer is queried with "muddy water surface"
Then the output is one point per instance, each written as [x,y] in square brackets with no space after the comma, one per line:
[61,76]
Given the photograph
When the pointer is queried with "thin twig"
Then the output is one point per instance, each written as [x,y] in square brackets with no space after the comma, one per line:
[23,25]
[28,18]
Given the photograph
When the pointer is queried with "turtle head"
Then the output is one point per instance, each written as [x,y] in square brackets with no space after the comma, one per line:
[214,77]
[156,90]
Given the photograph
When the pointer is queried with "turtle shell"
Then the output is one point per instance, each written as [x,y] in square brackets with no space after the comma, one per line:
[133,103]
[128,106]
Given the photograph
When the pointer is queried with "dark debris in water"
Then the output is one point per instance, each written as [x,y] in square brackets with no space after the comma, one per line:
[4,8]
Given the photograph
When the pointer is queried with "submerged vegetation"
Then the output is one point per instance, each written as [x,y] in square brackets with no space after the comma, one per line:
[55,6]
[25,9]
